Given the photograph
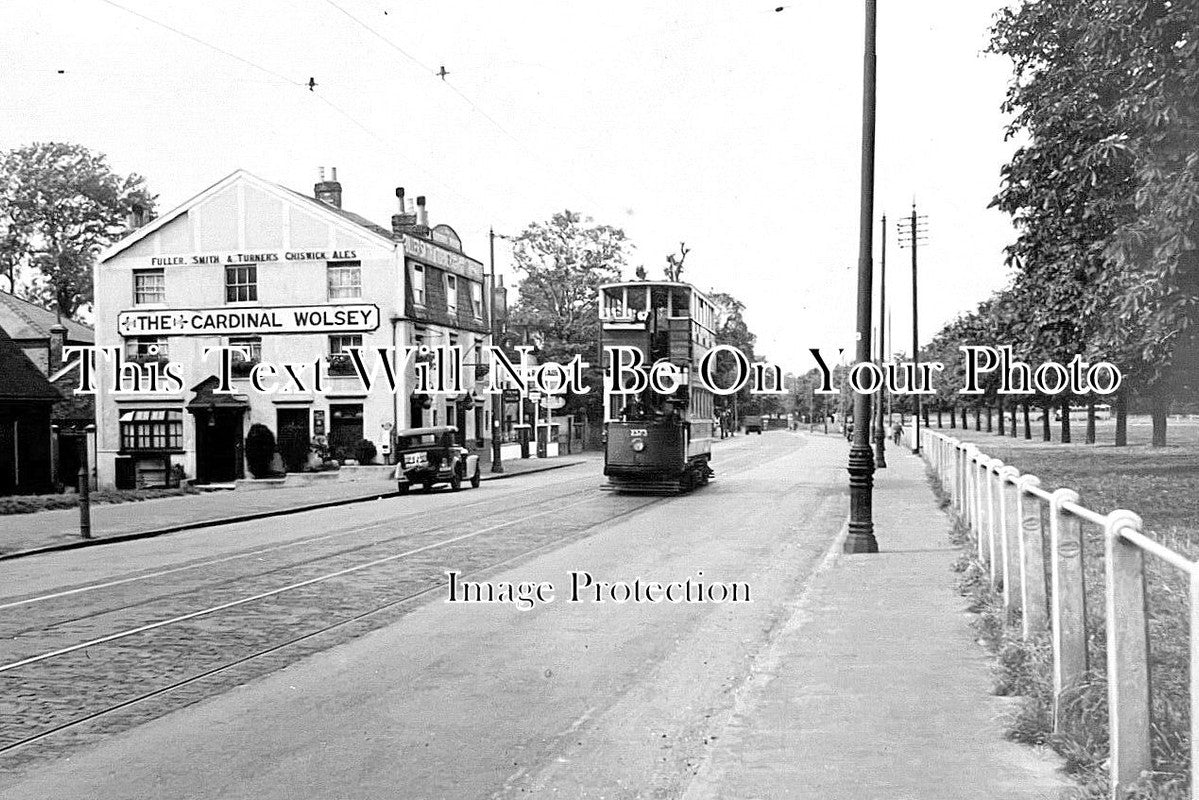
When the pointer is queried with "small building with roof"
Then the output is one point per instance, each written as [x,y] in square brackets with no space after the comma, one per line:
[289,279]
[26,401]
[42,336]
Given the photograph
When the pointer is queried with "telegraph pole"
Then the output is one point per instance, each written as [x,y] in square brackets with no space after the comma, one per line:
[916,231]
[880,435]
[497,400]
[860,538]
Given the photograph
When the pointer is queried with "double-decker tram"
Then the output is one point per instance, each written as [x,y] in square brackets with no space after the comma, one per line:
[656,442]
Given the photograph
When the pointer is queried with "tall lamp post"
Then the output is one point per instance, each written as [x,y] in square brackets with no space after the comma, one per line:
[880,435]
[860,538]
[497,399]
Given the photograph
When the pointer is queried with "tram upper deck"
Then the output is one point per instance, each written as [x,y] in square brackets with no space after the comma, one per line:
[664,320]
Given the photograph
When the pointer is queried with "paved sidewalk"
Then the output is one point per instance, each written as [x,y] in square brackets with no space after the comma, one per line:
[26,534]
[876,689]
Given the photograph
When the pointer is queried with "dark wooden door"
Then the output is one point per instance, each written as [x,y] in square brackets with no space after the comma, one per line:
[8,455]
[219,446]
[345,430]
[292,437]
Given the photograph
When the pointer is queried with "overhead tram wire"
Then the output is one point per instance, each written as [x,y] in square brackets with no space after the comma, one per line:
[432,72]
[280,77]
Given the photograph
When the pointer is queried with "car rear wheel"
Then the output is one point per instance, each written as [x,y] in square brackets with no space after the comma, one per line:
[402,488]
[427,486]
[476,478]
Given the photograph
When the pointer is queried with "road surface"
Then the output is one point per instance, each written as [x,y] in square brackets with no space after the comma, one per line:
[316,655]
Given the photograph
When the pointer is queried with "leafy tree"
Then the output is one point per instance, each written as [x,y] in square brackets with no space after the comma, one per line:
[674,264]
[1154,43]
[732,330]
[1105,191]
[563,262]
[60,204]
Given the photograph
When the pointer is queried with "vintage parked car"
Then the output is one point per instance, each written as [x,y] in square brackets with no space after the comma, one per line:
[753,424]
[428,456]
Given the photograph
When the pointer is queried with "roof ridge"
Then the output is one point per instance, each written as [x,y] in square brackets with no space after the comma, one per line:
[16,308]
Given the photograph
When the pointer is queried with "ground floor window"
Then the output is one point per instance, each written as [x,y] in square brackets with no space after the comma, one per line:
[152,430]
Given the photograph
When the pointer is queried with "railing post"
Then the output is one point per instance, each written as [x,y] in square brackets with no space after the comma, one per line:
[976,489]
[993,497]
[1069,601]
[1127,654]
[1009,529]
[1032,559]
[959,470]
[968,498]
[952,455]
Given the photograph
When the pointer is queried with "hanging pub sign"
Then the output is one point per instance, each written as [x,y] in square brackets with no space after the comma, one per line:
[341,318]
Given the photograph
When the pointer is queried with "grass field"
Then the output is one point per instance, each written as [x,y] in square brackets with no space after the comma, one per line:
[1162,486]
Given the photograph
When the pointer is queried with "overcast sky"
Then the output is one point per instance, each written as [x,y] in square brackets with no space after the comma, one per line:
[724,124]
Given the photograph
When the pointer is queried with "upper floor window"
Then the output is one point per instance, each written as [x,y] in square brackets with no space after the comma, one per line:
[418,284]
[146,349]
[340,345]
[476,299]
[451,294]
[251,345]
[241,283]
[149,286]
[345,280]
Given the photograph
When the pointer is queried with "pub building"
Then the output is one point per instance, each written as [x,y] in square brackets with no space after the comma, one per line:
[290,279]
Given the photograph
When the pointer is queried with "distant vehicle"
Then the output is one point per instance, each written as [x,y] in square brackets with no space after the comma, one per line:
[753,424]
[429,456]
[1079,413]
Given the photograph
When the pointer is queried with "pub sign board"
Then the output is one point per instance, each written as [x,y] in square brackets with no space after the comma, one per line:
[341,318]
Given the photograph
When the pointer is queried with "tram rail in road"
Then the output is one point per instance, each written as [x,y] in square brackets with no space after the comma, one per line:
[56,687]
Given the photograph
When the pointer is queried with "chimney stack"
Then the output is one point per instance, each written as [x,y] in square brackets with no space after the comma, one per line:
[403,221]
[56,342]
[135,218]
[328,191]
[422,214]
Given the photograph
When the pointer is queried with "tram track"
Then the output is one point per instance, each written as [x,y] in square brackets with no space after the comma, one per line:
[183,659]
[114,651]
[259,572]
[408,516]
[284,644]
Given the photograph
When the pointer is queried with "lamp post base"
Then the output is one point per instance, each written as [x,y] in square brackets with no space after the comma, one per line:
[861,483]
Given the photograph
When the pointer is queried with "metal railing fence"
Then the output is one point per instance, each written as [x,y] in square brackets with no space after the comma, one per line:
[1006,510]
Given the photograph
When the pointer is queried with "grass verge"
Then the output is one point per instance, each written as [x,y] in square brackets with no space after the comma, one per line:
[32,503]
[1023,668]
